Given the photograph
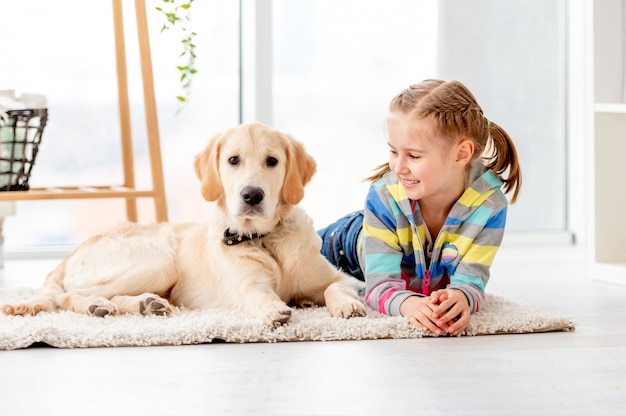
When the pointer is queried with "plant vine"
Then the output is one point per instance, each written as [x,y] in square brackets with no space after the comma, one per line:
[176,14]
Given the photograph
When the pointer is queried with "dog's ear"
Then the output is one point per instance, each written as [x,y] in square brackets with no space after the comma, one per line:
[206,165]
[300,169]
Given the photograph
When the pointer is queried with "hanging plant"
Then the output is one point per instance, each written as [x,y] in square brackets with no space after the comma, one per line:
[176,15]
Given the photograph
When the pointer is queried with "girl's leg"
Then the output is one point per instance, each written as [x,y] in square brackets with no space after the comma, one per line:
[339,243]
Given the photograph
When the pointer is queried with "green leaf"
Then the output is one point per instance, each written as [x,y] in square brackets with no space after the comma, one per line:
[174,15]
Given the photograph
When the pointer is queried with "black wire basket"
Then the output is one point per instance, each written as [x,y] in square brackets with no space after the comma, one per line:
[20,136]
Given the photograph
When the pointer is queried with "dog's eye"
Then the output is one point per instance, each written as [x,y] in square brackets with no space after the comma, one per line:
[271,161]
[233,160]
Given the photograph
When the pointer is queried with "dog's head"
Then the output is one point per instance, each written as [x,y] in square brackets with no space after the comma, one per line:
[254,172]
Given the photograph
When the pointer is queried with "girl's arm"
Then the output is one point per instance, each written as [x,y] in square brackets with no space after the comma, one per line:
[384,234]
[473,271]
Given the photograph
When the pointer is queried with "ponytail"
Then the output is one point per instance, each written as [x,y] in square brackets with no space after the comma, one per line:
[500,156]
[378,172]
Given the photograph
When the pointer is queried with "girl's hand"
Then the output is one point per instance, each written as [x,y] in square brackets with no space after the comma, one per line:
[419,310]
[451,311]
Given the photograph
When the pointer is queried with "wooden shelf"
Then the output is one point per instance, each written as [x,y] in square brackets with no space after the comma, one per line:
[126,191]
[607,231]
[617,108]
[76,192]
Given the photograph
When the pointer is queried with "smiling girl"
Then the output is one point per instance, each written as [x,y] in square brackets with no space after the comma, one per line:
[435,214]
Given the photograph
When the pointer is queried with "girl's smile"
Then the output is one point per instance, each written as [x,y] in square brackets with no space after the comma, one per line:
[409,183]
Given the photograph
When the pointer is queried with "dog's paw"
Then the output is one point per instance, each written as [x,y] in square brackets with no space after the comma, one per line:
[276,314]
[348,309]
[155,305]
[22,309]
[101,307]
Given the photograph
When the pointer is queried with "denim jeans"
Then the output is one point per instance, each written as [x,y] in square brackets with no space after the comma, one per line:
[339,243]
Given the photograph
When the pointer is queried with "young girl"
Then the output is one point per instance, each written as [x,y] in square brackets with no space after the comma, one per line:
[434,215]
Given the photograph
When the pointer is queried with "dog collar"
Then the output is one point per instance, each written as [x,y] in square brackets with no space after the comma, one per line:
[231,239]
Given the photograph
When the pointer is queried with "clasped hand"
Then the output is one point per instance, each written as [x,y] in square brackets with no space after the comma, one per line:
[444,311]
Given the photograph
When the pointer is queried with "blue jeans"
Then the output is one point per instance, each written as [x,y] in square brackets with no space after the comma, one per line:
[339,243]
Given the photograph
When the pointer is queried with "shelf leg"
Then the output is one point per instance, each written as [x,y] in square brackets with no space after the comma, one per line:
[151,112]
[124,108]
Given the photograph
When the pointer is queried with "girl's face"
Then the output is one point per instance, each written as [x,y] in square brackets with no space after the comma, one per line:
[427,166]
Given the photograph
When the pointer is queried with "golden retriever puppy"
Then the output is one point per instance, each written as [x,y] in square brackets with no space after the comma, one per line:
[258,251]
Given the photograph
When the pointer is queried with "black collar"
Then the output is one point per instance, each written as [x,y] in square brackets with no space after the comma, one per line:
[231,239]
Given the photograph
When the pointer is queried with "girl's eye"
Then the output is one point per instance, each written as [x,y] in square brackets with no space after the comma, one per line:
[233,160]
[271,161]
[414,156]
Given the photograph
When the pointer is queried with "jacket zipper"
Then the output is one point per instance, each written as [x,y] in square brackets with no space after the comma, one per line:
[426,280]
[426,284]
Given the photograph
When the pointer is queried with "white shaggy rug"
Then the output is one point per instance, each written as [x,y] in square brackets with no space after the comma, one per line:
[72,330]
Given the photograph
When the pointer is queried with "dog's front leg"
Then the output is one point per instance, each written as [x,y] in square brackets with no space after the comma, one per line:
[342,299]
[257,290]
[268,307]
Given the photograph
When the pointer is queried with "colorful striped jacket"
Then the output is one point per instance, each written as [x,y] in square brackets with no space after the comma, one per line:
[392,250]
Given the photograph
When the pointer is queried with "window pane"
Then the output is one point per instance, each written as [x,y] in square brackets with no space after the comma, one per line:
[72,62]
[337,66]
[517,72]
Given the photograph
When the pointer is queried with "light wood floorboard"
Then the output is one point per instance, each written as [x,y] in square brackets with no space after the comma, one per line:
[577,373]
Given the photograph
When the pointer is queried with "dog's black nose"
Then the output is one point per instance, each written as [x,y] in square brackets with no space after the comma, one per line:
[252,195]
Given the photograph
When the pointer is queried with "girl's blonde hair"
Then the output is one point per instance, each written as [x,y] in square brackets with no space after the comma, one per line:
[457,114]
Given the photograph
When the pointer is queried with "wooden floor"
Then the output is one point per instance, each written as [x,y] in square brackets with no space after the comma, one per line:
[577,373]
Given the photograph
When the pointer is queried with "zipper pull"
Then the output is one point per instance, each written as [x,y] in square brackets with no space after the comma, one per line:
[426,284]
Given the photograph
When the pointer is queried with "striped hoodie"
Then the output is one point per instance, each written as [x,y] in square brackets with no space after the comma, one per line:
[394,236]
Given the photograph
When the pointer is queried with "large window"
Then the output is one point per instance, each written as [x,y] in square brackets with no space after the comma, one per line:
[335,66]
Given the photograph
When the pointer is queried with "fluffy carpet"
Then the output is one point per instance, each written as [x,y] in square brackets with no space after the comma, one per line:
[71,330]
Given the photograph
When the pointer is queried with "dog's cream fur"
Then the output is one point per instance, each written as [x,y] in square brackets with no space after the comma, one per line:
[253,176]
